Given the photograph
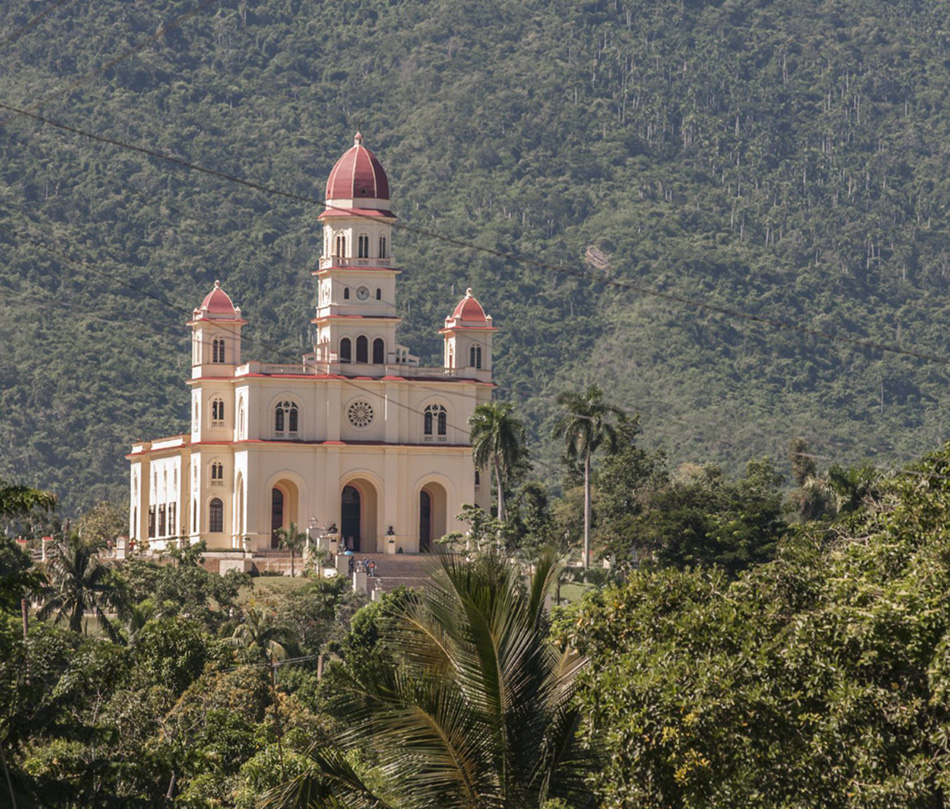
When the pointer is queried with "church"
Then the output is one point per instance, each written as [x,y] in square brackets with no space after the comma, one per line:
[358,440]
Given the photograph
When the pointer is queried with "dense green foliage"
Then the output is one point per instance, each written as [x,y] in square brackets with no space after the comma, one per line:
[178,704]
[819,679]
[783,159]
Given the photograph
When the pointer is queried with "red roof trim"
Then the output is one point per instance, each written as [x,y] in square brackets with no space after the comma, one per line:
[376,213]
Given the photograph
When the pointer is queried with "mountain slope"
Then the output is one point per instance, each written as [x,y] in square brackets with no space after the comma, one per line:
[786,160]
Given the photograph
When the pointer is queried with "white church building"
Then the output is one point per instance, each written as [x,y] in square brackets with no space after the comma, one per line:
[358,437]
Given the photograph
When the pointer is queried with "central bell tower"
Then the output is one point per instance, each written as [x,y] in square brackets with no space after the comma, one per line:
[355,323]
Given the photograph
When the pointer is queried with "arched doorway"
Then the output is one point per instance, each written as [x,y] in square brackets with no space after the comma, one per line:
[276,514]
[425,521]
[284,508]
[350,516]
[432,510]
[358,522]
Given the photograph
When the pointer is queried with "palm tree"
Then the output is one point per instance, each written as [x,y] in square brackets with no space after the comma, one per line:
[294,541]
[498,441]
[80,583]
[473,712]
[585,427]
[261,636]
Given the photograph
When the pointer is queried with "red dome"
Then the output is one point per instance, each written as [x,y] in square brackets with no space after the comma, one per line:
[469,310]
[358,175]
[217,303]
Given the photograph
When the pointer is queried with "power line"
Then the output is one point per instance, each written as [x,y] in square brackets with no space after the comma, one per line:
[28,25]
[512,257]
[179,310]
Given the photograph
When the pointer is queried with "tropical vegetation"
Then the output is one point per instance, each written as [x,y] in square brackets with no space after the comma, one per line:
[498,443]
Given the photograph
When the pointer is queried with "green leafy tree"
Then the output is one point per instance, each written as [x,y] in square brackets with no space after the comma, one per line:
[102,523]
[474,708]
[586,425]
[823,677]
[294,541]
[17,575]
[852,486]
[262,636]
[498,443]
[16,499]
[626,481]
[704,520]
[813,498]
[79,584]
[183,586]
[533,525]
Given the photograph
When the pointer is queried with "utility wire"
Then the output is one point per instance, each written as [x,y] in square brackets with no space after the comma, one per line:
[28,25]
[512,257]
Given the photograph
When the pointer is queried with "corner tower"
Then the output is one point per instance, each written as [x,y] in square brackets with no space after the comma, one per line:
[468,336]
[215,335]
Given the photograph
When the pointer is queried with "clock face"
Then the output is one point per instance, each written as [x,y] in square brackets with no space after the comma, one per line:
[362,293]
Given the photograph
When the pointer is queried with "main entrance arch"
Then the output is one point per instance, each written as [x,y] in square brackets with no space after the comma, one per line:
[358,524]
[432,514]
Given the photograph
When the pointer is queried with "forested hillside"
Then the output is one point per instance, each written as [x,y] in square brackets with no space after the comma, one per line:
[787,160]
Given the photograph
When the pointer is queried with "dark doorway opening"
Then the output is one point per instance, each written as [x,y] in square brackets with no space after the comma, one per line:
[350,517]
[276,515]
[425,521]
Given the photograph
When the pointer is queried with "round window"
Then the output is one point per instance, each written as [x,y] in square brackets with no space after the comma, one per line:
[360,414]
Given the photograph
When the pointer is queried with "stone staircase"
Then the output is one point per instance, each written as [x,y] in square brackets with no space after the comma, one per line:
[394,570]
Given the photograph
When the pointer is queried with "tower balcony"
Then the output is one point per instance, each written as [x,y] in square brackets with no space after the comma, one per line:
[337,262]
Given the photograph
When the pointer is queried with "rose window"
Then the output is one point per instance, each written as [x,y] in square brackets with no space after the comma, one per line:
[360,414]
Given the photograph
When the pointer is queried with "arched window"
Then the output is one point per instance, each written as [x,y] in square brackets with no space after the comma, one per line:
[382,247]
[475,356]
[345,350]
[379,351]
[161,520]
[346,293]
[216,516]
[285,415]
[363,246]
[151,522]
[434,421]
[379,294]
[217,471]
[478,479]
[242,429]
[362,349]
[217,413]
[217,350]
[340,246]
